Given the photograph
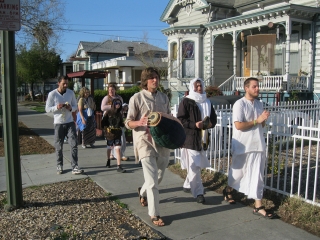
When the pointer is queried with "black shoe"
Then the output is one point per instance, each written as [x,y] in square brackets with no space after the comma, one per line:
[120,169]
[186,190]
[108,163]
[200,199]
[227,195]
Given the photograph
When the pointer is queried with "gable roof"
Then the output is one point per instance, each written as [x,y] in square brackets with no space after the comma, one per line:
[117,47]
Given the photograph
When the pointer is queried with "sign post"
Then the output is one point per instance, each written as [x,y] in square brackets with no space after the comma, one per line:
[10,22]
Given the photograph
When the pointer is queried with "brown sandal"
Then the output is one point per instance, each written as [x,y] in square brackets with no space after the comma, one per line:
[143,200]
[157,221]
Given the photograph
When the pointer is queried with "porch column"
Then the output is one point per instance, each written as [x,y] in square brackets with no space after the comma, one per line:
[179,57]
[234,52]
[112,75]
[288,35]
[212,61]
[126,75]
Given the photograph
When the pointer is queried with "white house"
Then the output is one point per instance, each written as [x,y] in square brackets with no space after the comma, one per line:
[122,61]
[224,42]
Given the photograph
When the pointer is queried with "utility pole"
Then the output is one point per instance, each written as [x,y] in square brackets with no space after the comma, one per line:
[10,22]
[10,121]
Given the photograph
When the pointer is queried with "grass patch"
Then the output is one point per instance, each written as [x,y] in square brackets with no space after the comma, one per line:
[40,109]
[116,200]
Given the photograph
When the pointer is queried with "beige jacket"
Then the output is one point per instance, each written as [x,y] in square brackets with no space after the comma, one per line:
[157,102]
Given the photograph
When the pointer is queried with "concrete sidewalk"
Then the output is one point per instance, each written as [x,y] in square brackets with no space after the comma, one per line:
[184,218]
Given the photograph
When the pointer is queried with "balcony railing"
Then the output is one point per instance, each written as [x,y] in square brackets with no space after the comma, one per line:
[270,83]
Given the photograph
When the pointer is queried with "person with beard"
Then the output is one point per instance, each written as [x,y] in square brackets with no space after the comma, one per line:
[248,148]
[197,115]
[112,123]
[62,102]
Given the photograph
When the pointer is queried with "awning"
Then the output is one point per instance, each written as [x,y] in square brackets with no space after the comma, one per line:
[88,74]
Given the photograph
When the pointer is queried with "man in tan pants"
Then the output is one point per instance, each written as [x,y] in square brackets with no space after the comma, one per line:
[153,157]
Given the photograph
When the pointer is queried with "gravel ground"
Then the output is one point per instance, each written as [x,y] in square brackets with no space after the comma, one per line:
[71,210]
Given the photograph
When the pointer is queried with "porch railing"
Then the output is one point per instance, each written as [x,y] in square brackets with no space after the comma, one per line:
[269,83]
[228,85]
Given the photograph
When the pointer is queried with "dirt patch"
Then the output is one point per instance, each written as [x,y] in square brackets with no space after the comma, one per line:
[29,141]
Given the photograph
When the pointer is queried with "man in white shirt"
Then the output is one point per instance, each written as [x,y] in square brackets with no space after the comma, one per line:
[62,102]
[248,148]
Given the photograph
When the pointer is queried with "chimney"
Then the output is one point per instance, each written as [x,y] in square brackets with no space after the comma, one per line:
[130,52]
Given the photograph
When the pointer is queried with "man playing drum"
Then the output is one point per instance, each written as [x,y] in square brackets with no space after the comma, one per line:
[153,157]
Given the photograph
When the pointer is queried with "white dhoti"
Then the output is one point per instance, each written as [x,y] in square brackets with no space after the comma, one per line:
[246,174]
[194,161]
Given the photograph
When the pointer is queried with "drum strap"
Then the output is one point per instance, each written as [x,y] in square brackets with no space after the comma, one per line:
[144,99]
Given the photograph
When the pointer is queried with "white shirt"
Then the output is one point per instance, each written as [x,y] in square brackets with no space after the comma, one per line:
[252,139]
[62,115]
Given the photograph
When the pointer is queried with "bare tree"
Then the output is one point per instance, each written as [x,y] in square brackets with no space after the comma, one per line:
[41,21]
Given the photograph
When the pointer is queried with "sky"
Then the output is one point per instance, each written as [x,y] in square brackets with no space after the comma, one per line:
[100,20]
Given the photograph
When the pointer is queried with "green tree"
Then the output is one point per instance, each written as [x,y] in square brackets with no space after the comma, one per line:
[36,65]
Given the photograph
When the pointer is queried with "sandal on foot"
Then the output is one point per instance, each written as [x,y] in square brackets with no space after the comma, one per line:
[157,221]
[227,194]
[144,202]
[267,215]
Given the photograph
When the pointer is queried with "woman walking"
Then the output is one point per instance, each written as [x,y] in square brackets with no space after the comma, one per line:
[86,106]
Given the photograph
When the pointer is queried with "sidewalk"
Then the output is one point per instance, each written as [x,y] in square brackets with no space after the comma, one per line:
[184,218]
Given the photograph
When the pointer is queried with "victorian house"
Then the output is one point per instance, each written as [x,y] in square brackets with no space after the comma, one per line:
[225,42]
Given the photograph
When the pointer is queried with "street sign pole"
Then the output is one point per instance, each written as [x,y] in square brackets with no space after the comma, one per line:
[10,121]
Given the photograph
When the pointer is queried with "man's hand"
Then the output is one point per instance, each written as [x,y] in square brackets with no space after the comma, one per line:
[60,105]
[263,117]
[143,121]
[199,124]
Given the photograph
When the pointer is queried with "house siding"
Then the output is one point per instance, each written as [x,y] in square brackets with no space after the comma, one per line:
[317,57]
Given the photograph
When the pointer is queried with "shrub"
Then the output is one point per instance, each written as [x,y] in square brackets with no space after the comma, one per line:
[213,91]
[125,94]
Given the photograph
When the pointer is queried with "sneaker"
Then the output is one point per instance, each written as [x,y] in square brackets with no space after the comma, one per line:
[91,145]
[77,170]
[200,199]
[59,169]
[83,146]
[121,170]
[124,158]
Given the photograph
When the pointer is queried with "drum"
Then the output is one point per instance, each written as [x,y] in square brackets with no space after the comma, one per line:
[166,130]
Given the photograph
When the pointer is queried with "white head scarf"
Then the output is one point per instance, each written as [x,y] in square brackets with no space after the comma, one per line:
[200,98]
[202,102]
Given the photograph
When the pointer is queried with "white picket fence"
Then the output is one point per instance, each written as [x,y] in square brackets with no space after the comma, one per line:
[292,136]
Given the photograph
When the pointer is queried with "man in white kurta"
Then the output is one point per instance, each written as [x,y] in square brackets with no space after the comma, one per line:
[248,146]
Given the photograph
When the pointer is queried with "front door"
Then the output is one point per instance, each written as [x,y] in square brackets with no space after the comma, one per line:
[246,65]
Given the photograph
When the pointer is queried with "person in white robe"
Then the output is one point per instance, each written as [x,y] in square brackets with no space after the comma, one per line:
[248,148]
[197,115]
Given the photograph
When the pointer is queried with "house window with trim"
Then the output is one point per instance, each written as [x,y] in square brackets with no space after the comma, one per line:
[188,65]
[81,67]
[174,65]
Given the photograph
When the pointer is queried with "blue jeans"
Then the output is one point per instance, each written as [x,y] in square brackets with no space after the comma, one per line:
[60,132]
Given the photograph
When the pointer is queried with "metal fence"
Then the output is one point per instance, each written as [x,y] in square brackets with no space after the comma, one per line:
[292,135]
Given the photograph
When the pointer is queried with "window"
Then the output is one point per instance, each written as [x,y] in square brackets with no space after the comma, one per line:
[174,65]
[81,67]
[188,64]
